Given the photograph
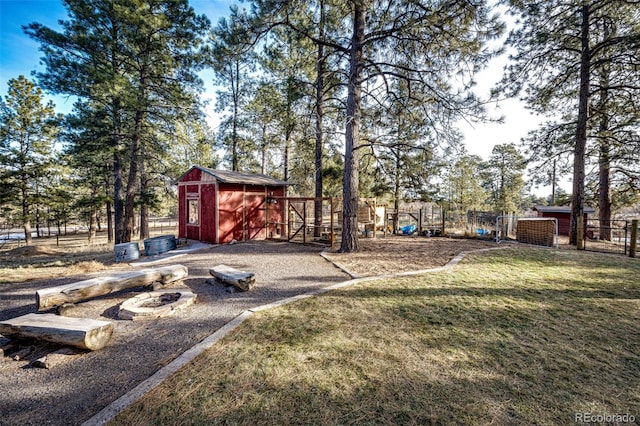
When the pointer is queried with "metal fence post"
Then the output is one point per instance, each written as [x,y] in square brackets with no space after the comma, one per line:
[634,238]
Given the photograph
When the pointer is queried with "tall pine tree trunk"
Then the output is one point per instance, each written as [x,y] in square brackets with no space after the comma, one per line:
[26,217]
[93,215]
[144,205]
[235,81]
[263,150]
[577,202]
[132,178]
[604,154]
[109,222]
[604,183]
[317,209]
[118,199]
[285,160]
[604,174]
[118,176]
[352,134]
[396,189]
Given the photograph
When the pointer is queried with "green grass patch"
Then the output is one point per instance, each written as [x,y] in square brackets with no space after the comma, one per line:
[517,336]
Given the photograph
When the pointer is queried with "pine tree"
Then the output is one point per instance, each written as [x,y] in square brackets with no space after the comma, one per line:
[232,63]
[560,46]
[28,129]
[135,60]
[423,42]
[503,178]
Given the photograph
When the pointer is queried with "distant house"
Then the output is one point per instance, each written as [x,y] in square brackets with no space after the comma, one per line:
[563,214]
[218,206]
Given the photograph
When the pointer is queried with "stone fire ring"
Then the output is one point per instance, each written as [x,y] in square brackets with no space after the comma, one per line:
[156,304]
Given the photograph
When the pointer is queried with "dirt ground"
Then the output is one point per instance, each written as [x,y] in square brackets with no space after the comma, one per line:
[73,392]
[390,255]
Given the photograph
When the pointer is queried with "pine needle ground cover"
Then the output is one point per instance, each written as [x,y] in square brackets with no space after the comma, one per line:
[517,336]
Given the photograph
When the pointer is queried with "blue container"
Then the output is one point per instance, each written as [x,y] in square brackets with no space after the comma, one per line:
[127,251]
[158,245]
[408,230]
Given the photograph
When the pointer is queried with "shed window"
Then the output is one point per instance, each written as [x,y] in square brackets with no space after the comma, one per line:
[193,213]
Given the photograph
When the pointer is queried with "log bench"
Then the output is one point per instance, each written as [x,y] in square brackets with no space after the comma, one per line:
[244,281]
[88,289]
[82,333]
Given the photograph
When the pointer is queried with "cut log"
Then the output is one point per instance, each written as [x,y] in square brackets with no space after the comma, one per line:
[66,309]
[8,347]
[22,353]
[88,289]
[58,357]
[82,333]
[244,281]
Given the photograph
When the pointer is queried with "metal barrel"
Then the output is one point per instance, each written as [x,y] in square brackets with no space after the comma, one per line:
[157,245]
[127,251]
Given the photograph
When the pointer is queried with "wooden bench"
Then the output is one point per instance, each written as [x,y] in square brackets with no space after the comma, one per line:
[51,297]
[82,333]
[244,281]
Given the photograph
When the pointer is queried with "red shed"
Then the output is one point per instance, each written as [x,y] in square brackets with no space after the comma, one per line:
[563,214]
[218,206]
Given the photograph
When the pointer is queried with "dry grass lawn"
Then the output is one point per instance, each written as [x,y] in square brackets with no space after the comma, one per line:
[57,257]
[516,336]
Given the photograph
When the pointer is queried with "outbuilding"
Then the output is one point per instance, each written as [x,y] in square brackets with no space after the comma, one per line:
[563,214]
[218,206]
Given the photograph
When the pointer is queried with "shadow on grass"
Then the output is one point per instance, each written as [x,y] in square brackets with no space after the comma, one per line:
[530,340]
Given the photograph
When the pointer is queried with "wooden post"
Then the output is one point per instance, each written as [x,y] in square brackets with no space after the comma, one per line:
[331,233]
[304,222]
[634,238]
[580,233]
[375,224]
[266,216]
[443,219]
[385,222]
[288,221]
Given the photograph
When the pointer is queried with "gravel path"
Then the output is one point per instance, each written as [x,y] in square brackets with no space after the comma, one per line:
[73,392]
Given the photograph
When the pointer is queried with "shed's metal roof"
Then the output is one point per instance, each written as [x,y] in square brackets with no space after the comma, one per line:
[560,209]
[226,176]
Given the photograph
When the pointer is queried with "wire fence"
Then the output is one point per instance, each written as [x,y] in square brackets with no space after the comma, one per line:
[608,236]
[12,235]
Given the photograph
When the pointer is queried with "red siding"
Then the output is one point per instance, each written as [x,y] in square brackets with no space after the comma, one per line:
[255,208]
[231,215]
[208,212]
[182,212]
[194,175]
[234,212]
[564,221]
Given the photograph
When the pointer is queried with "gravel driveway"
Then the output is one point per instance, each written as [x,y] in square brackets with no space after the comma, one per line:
[73,392]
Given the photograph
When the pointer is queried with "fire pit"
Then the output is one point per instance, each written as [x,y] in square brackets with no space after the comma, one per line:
[156,304]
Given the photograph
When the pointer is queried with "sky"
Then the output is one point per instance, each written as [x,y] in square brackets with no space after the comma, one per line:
[19,55]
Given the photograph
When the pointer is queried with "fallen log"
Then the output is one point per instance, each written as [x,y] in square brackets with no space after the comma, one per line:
[22,353]
[51,297]
[82,333]
[61,356]
[244,281]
